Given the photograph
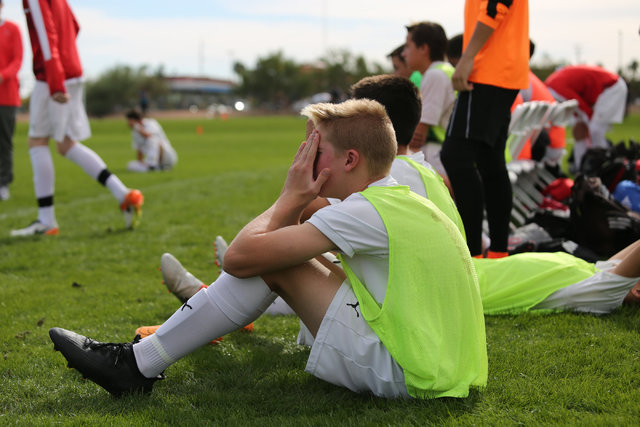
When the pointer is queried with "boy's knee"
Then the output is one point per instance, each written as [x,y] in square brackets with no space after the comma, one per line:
[273,280]
[65,146]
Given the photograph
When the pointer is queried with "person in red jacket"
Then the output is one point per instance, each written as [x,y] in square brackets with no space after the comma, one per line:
[10,62]
[602,100]
[56,111]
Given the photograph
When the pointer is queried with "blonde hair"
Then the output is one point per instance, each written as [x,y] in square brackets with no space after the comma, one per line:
[359,124]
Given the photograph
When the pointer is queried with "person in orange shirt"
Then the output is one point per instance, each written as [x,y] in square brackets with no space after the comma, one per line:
[492,69]
[10,62]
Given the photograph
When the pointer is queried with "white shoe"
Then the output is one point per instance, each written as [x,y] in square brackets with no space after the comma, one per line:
[221,248]
[4,192]
[35,228]
[178,280]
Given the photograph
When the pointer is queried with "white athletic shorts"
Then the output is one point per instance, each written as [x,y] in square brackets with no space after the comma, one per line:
[48,118]
[346,352]
[599,294]
[610,105]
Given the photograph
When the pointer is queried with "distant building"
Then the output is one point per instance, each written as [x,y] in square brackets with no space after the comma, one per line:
[186,92]
[199,85]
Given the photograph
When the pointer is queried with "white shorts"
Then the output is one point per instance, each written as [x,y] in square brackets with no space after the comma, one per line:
[48,118]
[611,104]
[599,294]
[346,352]
[169,157]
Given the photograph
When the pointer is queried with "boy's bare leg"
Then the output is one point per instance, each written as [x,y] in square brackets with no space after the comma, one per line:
[308,288]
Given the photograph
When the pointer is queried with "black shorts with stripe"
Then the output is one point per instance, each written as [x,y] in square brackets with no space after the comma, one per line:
[482,114]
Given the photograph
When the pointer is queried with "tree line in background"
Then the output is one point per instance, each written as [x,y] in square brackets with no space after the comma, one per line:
[120,88]
[274,84]
[277,82]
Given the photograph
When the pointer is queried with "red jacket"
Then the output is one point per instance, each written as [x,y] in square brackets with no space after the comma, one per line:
[583,83]
[10,63]
[53,30]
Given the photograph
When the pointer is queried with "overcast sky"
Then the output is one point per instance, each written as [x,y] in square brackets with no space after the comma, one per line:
[205,37]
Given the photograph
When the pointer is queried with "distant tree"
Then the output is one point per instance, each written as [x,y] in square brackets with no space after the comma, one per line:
[632,83]
[342,69]
[276,82]
[633,68]
[542,65]
[119,88]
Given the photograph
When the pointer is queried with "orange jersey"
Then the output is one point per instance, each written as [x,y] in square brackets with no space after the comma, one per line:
[504,59]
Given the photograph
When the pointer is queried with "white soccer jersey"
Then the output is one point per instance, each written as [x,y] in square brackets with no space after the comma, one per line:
[437,97]
[406,174]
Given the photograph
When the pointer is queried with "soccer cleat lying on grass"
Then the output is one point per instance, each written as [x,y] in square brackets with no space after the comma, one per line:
[36,228]
[131,208]
[110,365]
[177,279]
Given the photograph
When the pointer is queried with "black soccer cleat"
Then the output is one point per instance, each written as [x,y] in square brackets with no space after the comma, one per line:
[110,365]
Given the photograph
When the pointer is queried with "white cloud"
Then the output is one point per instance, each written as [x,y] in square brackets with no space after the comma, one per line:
[210,35]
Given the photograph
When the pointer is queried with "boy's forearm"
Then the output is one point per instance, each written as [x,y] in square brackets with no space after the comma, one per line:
[479,38]
[274,218]
[272,241]
[281,214]
[419,136]
[256,242]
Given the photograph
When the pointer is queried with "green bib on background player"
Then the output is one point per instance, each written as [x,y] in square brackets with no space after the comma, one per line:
[416,78]
[437,192]
[518,282]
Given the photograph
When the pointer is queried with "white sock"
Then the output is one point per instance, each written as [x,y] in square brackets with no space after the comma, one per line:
[43,183]
[137,166]
[225,306]
[87,159]
[117,188]
[96,168]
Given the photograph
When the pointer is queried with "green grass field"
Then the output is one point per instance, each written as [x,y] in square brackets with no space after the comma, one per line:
[103,281]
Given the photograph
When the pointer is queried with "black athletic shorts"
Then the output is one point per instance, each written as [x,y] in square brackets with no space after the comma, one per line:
[482,114]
